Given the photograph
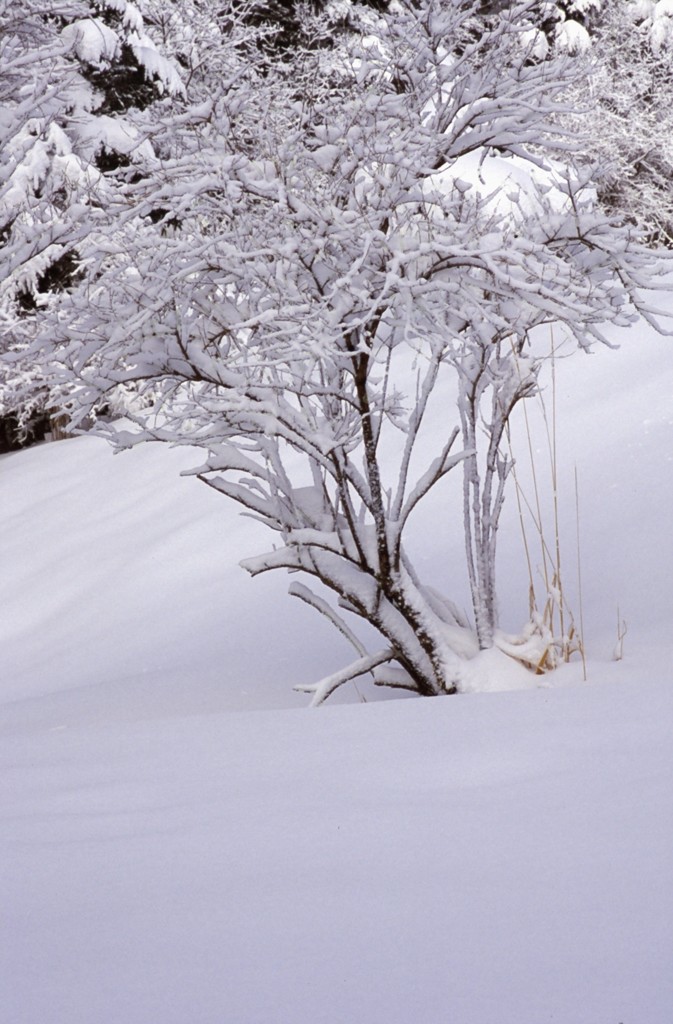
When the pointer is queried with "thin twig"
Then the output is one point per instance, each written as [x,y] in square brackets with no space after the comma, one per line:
[579,575]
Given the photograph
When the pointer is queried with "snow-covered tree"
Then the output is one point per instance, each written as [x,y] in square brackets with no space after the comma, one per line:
[623,108]
[76,79]
[344,311]
[629,126]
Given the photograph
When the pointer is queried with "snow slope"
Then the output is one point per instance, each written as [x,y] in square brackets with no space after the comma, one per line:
[487,859]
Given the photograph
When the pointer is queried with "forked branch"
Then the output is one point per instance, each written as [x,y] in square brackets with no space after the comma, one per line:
[325,687]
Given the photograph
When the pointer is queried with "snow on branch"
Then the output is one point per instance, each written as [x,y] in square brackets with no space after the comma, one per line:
[438,469]
[325,687]
[304,593]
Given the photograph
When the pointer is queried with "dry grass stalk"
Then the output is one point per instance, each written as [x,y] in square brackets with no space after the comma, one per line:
[552,618]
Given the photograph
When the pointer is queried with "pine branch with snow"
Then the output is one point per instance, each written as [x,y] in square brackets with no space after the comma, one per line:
[71,80]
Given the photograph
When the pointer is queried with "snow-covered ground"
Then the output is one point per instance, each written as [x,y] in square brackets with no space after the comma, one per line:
[181,842]
[496,858]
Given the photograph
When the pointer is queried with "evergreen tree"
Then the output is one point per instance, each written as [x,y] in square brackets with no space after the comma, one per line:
[627,123]
[77,80]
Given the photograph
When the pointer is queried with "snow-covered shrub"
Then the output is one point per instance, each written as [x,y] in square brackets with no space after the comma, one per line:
[341,314]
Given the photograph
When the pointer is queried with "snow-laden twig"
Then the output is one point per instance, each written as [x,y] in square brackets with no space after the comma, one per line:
[322,689]
[304,593]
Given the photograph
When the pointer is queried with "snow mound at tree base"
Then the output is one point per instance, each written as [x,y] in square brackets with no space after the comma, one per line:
[494,671]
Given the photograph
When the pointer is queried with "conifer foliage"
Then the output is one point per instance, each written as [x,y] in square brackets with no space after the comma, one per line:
[76,82]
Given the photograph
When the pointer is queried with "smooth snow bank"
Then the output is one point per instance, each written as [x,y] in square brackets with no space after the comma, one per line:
[119,574]
[492,858]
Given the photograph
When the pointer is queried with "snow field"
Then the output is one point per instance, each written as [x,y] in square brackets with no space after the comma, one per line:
[484,858]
